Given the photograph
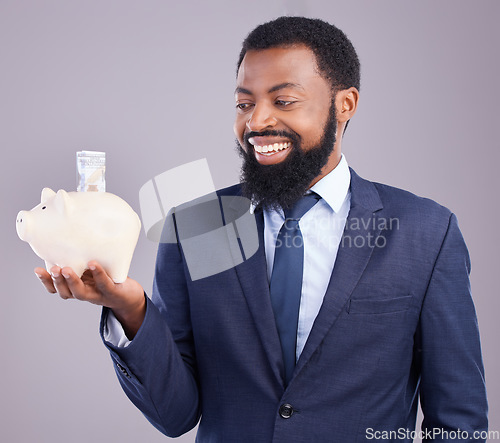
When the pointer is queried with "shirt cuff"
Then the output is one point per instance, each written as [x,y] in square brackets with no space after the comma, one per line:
[114,333]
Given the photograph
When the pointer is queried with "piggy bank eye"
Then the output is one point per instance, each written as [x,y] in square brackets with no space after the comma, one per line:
[43,207]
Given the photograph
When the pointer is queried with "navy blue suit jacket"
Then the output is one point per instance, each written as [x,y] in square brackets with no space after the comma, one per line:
[397,323]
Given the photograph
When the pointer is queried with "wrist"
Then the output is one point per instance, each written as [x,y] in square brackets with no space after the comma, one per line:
[131,317]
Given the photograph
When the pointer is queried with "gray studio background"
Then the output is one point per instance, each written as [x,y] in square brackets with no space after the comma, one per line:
[151,83]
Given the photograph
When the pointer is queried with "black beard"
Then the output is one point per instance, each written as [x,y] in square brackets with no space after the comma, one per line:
[283,184]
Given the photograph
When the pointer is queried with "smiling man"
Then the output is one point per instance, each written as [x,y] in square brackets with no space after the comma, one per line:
[356,305]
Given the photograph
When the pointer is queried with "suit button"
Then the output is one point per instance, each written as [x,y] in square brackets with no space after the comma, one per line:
[123,370]
[286,410]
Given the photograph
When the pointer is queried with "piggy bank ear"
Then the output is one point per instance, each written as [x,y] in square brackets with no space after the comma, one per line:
[47,194]
[62,202]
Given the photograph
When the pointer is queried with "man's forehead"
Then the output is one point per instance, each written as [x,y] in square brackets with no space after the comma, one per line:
[289,66]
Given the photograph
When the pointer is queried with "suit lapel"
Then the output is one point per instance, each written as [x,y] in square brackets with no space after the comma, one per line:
[252,275]
[354,252]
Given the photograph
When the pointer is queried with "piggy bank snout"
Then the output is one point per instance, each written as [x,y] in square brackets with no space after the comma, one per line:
[21,224]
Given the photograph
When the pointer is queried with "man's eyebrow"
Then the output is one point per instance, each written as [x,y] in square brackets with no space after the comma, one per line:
[240,90]
[285,85]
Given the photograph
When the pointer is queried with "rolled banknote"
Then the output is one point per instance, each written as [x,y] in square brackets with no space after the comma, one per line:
[91,168]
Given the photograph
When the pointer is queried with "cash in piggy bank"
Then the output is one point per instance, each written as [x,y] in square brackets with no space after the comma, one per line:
[72,228]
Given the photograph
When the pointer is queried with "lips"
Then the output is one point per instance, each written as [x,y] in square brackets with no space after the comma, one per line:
[269,150]
[272,148]
[269,145]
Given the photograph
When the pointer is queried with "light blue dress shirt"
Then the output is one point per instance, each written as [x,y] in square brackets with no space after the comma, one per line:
[322,228]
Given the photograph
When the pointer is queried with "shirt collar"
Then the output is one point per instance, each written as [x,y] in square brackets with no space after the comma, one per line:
[333,187]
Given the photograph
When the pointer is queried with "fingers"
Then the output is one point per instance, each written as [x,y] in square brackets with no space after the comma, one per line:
[73,284]
[60,281]
[57,281]
[45,279]
[95,285]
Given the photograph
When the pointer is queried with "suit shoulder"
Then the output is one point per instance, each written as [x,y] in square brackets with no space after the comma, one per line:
[405,201]
[233,190]
[420,215]
[421,219]
[230,190]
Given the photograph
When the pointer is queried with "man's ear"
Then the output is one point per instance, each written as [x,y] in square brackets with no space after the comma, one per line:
[346,104]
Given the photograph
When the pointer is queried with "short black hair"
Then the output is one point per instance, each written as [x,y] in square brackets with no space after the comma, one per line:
[335,55]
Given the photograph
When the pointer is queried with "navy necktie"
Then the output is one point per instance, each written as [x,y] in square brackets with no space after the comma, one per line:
[286,279]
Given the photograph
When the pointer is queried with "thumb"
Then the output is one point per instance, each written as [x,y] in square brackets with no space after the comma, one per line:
[103,281]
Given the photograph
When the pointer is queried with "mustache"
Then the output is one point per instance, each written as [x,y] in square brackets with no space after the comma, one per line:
[292,135]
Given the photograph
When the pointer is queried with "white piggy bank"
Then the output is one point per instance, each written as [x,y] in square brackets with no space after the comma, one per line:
[72,228]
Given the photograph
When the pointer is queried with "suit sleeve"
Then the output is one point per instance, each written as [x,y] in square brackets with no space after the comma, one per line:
[453,395]
[157,370]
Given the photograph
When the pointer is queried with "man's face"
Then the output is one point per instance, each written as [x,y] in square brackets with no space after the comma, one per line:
[285,124]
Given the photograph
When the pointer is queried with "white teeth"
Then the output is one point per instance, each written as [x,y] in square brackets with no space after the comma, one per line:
[270,149]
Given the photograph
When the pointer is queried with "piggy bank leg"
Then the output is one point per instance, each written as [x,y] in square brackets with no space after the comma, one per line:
[117,270]
[118,277]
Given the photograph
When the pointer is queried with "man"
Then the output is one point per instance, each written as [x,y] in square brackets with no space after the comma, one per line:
[383,315]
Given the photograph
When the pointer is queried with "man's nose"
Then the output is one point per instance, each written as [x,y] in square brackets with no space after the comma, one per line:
[261,118]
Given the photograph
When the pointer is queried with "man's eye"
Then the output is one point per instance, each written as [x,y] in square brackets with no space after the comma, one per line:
[284,103]
[243,106]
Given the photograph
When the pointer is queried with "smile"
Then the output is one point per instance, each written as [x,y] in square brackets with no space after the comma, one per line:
[267,146]
[269,151]
[272,148]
